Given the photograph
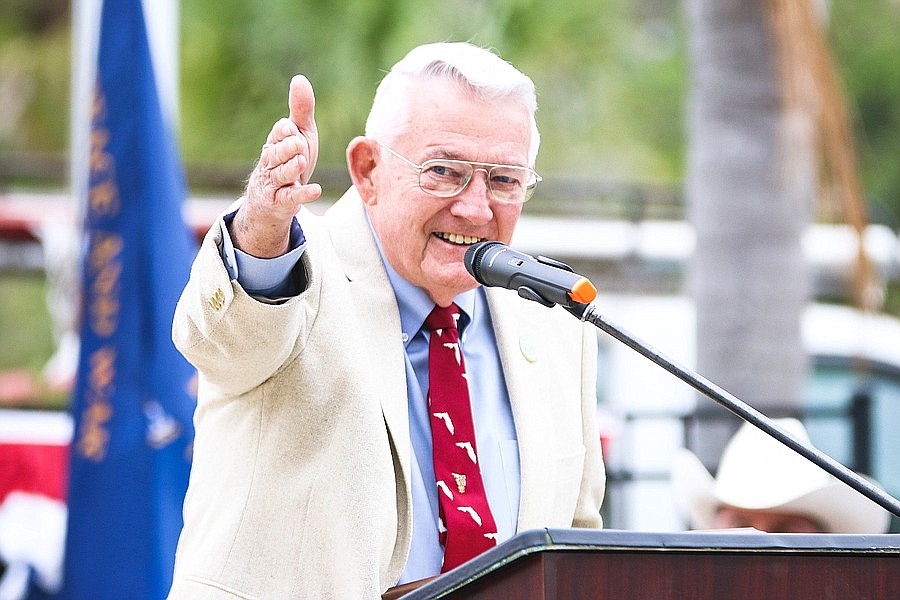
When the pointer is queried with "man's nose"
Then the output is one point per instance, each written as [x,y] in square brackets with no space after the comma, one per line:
[474,202]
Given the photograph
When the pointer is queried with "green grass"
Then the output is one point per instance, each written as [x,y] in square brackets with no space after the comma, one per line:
[892,299]
[25,326]
[26,332]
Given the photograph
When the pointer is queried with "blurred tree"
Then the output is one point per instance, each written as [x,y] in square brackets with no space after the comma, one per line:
[611,73]
[34,75]
[611,76]
[770,139]
[749,189]
[865,34]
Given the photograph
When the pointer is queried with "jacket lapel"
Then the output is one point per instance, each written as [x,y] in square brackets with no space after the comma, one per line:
[371,290]
[527,382]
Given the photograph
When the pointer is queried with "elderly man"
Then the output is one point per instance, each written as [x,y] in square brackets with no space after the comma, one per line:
[367,415]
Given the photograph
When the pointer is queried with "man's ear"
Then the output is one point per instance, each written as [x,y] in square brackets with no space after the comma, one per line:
[362,157]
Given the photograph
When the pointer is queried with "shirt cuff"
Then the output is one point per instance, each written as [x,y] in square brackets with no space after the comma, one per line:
[268,277]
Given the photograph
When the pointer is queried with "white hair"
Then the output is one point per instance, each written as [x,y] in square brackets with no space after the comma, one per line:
[478,70]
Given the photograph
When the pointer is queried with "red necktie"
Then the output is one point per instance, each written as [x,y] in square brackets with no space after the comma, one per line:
[468,527]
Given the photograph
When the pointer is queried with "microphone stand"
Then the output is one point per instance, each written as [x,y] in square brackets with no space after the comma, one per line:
[589,313]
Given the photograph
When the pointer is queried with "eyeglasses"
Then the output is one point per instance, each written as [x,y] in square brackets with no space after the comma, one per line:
[446,177]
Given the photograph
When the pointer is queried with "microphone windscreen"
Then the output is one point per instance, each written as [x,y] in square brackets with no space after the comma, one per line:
[474,255]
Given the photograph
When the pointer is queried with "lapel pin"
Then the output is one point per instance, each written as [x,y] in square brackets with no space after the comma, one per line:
[529,348]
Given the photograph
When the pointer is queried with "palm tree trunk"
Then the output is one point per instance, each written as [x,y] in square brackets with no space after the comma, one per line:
[750,184]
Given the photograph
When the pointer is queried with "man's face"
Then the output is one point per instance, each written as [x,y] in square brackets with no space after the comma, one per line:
[730,517]
[425,237]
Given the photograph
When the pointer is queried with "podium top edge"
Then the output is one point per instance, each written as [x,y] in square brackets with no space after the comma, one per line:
[611,540]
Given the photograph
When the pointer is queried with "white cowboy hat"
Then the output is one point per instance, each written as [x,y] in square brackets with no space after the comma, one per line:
[759,472]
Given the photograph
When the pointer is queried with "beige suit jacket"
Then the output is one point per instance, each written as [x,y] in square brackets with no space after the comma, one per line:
[300,486]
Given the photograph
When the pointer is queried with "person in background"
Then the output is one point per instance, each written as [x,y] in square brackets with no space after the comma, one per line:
[763,484]
[367,414]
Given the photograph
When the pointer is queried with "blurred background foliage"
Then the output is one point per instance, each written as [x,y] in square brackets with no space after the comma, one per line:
[864,36]
[611,75]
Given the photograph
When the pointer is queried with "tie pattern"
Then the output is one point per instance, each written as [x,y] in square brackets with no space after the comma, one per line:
[467,527]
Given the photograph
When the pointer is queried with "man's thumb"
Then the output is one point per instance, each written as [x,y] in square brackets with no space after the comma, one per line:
[302,104]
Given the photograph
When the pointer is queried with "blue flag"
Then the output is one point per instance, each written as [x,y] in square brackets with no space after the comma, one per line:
[134,396]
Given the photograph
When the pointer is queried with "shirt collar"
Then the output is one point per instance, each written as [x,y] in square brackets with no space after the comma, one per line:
[415,305]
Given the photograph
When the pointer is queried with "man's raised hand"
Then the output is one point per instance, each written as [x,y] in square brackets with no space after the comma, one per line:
[279,183]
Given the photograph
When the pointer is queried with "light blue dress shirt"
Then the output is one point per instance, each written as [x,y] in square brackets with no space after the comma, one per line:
[495,432]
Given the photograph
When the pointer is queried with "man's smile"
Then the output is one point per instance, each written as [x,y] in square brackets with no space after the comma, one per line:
[457,238]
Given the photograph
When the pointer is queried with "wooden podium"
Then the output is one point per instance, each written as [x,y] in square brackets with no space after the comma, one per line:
[574,564]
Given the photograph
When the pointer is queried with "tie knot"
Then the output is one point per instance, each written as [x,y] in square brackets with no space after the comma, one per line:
[442,318]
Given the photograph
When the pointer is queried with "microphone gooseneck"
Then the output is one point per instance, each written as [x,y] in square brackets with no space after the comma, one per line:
[551,282]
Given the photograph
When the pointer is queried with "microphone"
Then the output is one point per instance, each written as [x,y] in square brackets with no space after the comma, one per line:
[541,279]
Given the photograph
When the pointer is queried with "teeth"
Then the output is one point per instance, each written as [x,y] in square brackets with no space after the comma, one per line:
[456,238]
